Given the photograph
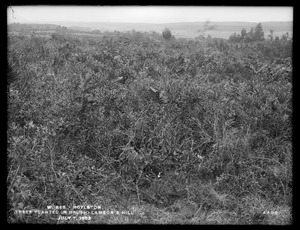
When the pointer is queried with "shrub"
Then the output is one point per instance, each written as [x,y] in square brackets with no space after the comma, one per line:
[185,122]
[167,34]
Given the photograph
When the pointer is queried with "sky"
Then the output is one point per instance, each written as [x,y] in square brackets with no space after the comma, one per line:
[146,14]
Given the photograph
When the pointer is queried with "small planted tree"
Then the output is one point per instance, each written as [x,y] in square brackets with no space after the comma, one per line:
[167,34]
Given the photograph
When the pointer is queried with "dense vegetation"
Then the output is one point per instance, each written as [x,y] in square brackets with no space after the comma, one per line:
[176,131]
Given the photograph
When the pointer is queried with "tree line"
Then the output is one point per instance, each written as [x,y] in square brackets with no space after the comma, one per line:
[254,35]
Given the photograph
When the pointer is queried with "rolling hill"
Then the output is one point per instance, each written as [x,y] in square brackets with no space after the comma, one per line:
[180,30]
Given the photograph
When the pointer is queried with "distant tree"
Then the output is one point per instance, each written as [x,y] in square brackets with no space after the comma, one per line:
[232,37]
[271,35]
[167,34]
[258,33]
[250,36]
[235,37]
[243,33]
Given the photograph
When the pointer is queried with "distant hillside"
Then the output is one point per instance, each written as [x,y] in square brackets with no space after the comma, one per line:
[27,26]
[183,29]
[188,29]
